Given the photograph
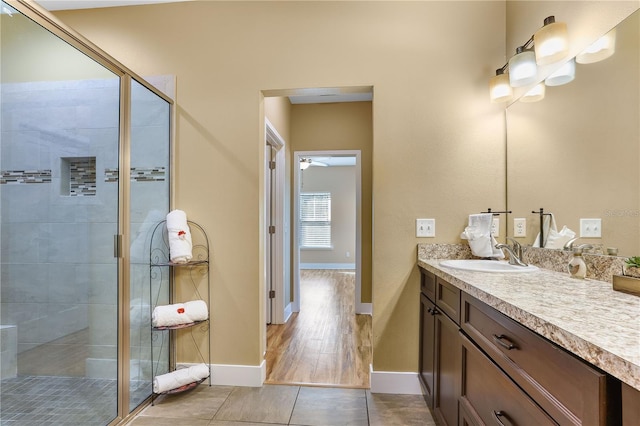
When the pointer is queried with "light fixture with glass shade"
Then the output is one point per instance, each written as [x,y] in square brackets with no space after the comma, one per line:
[522,68]
[304,163]
[551,42]
[563,75]
[535,94]
[604,47]
[499,88]
[547,46]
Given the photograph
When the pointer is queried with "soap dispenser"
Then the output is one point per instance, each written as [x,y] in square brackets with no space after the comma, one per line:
[577,267]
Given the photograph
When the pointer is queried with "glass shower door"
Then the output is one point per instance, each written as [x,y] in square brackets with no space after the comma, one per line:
[84,157]
[150,143]
[59,155]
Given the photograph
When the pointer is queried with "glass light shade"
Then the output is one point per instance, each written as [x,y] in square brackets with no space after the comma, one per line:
[535,94]
[522,68]
[551,42]
[563,75]
[604,47]
[499,88]
[304,164]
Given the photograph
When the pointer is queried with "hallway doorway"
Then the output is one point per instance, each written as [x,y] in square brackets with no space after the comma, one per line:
[325,339]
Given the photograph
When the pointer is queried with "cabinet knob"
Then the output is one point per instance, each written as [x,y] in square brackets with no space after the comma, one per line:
[433,311]
[504,341]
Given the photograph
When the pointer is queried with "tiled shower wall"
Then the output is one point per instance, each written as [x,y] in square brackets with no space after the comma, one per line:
[59,200]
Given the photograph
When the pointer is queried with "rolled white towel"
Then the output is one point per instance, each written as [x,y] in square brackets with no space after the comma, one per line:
[180,245]
[181,377]
[179,313]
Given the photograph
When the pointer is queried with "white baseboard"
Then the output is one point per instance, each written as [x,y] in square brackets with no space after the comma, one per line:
[364,308]
[327,266]
[394,382]
[288,310]
[237,375]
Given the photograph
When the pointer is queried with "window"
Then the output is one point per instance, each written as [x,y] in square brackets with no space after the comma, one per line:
[315,220]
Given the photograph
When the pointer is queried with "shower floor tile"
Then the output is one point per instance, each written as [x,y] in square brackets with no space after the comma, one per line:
[47,400]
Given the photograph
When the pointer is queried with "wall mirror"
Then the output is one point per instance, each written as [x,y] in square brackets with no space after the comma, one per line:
[576,153]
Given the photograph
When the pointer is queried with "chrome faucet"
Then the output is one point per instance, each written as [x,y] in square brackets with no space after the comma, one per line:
[569,244]
[515,252]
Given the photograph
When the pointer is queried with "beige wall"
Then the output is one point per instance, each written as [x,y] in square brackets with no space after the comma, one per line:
[340,182]
[345,126]
[438,144]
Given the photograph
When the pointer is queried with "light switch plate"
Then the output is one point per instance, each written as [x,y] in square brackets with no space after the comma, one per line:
[591,228]
[520,227]
[425,228]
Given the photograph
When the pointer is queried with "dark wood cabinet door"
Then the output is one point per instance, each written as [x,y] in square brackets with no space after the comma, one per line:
[630,406]
[448,375]
[427,348]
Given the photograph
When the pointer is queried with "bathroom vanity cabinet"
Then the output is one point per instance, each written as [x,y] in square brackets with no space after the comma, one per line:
[501,372]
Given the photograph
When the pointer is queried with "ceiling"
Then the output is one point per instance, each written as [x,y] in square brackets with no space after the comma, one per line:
[91,4]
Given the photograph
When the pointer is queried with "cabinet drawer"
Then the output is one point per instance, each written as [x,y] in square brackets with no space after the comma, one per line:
[491,397]
[428,284]
[448,299]
[570,390]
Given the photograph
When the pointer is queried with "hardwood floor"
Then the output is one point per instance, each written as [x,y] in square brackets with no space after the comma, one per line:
[326,343]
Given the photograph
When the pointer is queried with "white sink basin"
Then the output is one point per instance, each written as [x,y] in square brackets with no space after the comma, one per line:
[483,265]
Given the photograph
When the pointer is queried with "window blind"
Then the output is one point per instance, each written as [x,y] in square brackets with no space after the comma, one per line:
[315,219]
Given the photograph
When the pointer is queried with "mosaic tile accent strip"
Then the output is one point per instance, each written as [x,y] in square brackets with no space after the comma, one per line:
[139,174]
[13,177]
[82,176]
[110,175]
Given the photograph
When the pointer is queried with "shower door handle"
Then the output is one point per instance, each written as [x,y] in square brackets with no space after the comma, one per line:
[117,246]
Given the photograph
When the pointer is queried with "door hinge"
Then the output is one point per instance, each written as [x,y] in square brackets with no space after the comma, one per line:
[272,294]
[272,165]
[117,246]
[272,229]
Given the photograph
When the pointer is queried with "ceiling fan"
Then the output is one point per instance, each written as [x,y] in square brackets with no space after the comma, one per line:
[307,162]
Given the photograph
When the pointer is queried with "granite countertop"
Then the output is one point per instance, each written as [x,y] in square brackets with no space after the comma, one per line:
[586,317]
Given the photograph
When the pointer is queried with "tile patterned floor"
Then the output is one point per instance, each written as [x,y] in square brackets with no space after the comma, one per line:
[31,400]
[284,405]
[57,401]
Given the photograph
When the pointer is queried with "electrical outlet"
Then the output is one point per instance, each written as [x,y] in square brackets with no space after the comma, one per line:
[425,227]
[520,227]
[591,228]
[495,227]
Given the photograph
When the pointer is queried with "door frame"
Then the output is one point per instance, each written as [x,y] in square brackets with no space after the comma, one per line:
[281,309]
[360,308]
